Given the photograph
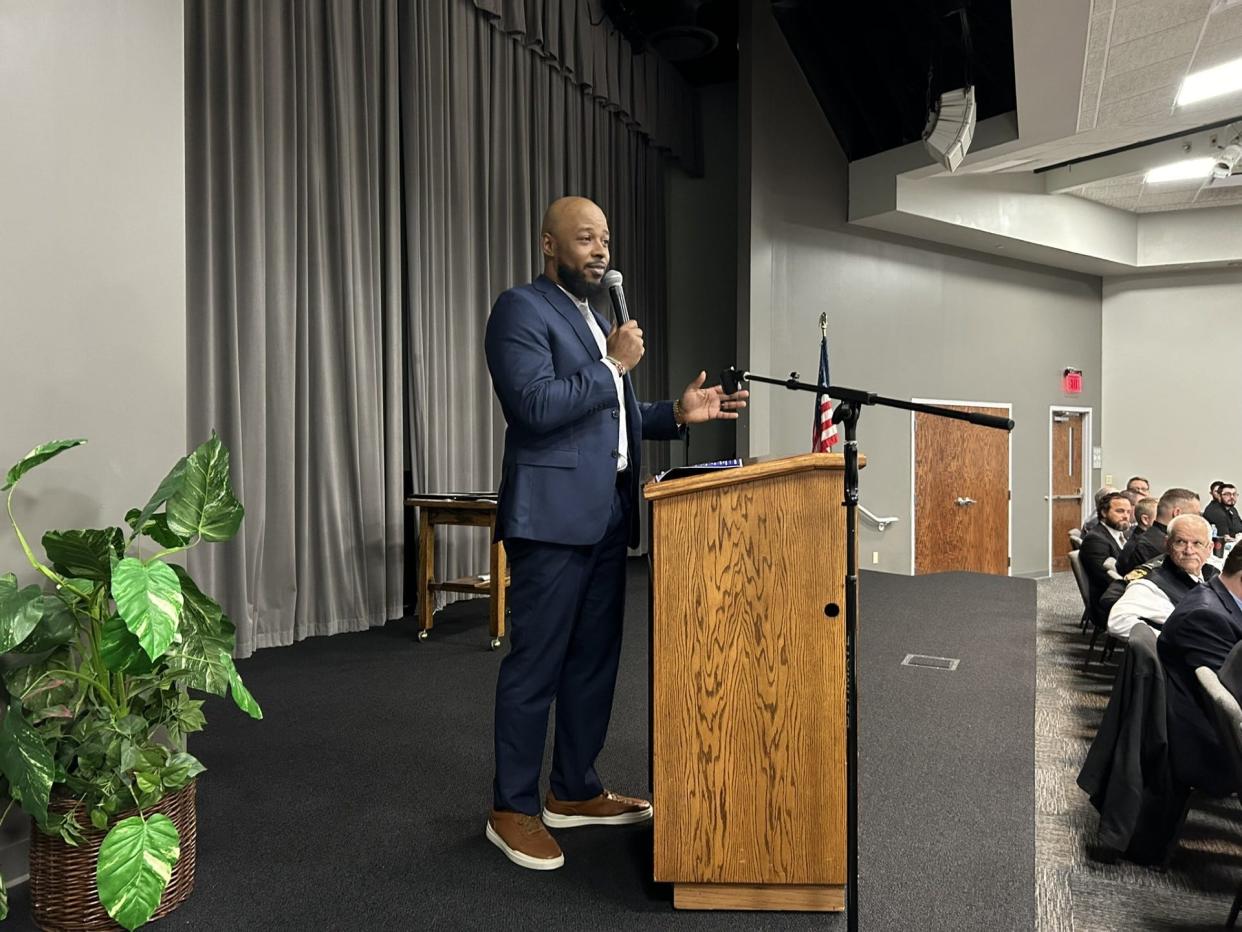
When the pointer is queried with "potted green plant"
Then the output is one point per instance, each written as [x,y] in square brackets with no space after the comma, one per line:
[98,673]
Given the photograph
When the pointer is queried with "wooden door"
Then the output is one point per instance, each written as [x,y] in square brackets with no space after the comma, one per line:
[961,489]
[1067,484]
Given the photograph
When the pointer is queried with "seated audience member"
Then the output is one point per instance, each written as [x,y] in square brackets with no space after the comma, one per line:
[1101,547]
[1214,489]
[1095,515]
[1140,485]
[1150,544]
[1151,598]
[1224,513]
[1133,498]
[1200,632]
[1145,513]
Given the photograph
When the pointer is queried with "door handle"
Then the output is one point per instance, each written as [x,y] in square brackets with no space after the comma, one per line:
[966,501]
[1067,498]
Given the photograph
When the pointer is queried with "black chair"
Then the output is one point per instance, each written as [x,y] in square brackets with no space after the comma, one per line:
[1075,538]
[1088,618]
[1227,716]
[1080,577]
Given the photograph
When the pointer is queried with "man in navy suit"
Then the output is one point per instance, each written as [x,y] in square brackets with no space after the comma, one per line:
[567,512]
[1201,631]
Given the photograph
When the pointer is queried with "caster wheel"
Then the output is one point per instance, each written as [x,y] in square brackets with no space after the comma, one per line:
[423,635]
[495,644]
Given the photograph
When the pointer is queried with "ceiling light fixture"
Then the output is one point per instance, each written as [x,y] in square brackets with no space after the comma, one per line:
[1229,156]
[1211,82]
[1186,170]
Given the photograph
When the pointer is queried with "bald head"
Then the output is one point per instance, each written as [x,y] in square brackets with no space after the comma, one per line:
[574,240]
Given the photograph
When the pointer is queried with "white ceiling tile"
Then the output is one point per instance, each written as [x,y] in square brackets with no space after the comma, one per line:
[1208,56]
[1177,42]
[1223,26]
[1144,81]
[1097,40]
[1168,199]
[1145,19]
[1149,110]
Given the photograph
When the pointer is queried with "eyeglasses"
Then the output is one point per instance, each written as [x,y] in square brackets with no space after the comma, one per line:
[1184,543]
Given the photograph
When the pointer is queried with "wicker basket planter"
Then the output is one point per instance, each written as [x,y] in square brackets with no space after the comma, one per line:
[63,895]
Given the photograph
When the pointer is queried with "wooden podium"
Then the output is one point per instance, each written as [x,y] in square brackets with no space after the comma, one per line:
[748,713]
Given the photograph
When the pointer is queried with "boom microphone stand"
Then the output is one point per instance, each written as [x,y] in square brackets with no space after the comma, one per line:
[847,413]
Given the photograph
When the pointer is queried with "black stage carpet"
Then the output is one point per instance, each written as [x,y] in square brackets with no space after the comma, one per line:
[359,802]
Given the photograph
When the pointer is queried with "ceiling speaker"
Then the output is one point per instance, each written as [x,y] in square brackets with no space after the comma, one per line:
[951,127]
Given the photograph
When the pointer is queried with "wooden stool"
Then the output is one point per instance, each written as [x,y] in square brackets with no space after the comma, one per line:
[469,512]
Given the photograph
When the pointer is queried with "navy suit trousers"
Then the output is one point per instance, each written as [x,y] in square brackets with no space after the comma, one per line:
[568,603]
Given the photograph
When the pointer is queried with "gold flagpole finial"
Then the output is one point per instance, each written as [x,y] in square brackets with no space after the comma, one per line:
[823,324]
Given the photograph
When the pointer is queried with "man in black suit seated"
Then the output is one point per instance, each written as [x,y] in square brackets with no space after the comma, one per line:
[1224,513]
[1200,632]
[1151,543]
[1101,547]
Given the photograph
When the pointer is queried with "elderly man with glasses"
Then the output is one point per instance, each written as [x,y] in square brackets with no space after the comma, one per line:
[1152,598]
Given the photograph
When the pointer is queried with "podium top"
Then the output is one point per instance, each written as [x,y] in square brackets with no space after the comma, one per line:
[760,468]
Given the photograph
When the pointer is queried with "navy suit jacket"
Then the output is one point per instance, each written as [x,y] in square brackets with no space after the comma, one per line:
[560,406]
[1201,631]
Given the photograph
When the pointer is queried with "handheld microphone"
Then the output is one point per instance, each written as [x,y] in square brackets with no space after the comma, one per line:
[731,380]
[612,281]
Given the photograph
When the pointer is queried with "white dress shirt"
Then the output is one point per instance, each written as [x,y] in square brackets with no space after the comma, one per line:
[1142,600]
[623,437]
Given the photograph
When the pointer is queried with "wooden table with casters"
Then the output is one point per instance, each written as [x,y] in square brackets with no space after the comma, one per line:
[468,511]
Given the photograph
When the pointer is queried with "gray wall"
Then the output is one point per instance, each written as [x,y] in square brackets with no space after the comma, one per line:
[1169,415]
[92,260]
[702,273]
[905,319]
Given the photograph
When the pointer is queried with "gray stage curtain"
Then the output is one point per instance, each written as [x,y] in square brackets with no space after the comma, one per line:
[294,327]
[507,105]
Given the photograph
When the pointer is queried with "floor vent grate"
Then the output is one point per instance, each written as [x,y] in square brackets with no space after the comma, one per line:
[936,663]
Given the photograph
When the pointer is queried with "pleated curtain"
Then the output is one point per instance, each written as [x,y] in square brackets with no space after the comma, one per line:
[497,124]
[362,180]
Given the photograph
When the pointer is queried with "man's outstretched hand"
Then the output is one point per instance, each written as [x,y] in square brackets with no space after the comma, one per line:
[699,404]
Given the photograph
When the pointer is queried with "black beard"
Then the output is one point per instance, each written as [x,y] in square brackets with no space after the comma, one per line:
[576,284]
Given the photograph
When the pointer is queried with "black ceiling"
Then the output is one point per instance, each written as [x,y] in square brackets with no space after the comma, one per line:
[671,28]
[868,62]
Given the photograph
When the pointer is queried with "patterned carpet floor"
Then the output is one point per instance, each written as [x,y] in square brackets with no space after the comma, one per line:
[1074,892]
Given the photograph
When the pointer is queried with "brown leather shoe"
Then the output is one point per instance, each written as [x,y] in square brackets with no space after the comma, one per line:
[608,808]
[524,840]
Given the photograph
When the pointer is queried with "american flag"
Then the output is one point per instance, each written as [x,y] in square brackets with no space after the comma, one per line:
[823,432]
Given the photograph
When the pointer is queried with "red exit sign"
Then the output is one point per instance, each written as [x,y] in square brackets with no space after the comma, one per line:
[1071,381]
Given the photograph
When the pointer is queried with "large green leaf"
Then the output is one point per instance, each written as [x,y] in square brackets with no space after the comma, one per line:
[55,629]
[241,695]
[206,633]
[148,596]
[180,769]
[26,762]
[20,611]
[120,649]
[40,454]
[37,690]
[204,506]
[135,864]
[85,554]
[169,486]
[155,527]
